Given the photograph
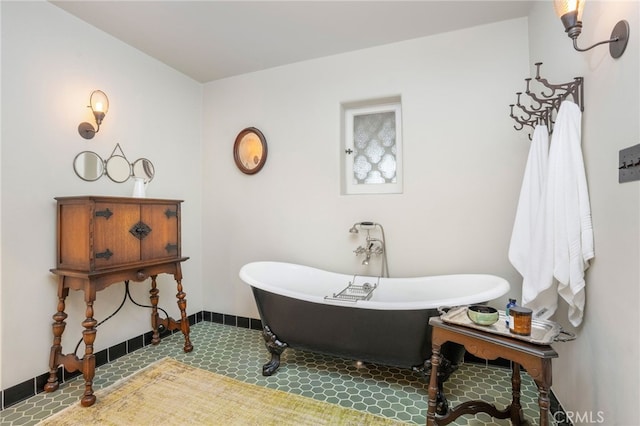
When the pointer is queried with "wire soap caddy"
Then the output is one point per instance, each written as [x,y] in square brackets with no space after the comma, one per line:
[354,292]
[542,107]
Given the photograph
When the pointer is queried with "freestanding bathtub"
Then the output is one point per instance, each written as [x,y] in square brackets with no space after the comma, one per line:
[297,307]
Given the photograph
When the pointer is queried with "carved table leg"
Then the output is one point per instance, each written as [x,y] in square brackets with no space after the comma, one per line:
[89,360]
[275,348]
[433,385]
[544,384]
[153,297]
[516,414]
[58,327]
[446,367]
[544,403]
[182,305]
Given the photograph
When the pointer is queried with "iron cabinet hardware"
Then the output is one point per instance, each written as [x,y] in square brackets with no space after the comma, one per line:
[140,230]
[104,254]
[106,213]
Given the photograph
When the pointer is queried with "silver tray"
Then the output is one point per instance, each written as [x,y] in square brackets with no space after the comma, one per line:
[543,332]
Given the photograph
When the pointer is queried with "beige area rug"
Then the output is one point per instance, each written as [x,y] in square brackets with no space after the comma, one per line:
[169,392]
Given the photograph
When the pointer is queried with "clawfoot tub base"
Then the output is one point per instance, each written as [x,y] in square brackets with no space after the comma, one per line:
[275,348]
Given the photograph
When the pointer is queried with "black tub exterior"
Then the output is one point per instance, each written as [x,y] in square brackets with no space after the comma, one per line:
[394,338]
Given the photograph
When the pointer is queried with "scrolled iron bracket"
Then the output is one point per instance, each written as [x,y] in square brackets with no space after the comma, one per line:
[543,106]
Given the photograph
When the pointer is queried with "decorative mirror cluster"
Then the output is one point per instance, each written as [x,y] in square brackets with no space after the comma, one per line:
[90,166]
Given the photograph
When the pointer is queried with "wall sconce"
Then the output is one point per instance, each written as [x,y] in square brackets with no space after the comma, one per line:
[570,12]
[99,104]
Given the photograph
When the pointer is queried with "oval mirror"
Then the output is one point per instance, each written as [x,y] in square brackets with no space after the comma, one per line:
[118,168]
[88,166]
[250,150]
[143,168]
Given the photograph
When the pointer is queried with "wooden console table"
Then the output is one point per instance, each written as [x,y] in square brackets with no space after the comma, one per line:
[536,359]
[106,240]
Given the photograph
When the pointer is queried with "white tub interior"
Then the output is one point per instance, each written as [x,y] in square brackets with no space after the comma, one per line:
[312,284]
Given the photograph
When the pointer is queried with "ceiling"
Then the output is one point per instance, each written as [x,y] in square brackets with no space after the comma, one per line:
[210,40]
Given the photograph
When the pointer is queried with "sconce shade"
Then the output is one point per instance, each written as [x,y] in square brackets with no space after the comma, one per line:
[570,13]
[565,6]
[99,104]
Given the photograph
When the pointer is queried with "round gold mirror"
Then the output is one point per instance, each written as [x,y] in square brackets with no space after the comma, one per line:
[250,150]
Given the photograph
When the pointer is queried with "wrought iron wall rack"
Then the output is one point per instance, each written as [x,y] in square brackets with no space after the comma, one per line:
[542,107]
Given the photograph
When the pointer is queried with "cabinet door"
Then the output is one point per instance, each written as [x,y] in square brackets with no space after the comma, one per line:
[163,241]
[113,244]
[74,220]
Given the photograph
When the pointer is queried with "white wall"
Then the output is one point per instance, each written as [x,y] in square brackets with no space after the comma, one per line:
[51,62]
[463,168]
[463,161]
[603,362]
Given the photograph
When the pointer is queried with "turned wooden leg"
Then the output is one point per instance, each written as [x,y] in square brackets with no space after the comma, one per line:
[58,327]
[544,403]
[184,321]
[433,385]
[182,305]
[544,384]
[516,413]
[155,337]
[89,360]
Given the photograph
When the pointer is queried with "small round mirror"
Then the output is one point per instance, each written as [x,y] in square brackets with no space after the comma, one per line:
[143,168]
[118,168]
[250,150]
[88,166]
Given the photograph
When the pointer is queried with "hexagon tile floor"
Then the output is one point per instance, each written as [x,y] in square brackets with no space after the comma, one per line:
[239,353]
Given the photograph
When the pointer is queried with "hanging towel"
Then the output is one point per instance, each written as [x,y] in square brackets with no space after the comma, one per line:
[535,173]
[563,241]
[573,230]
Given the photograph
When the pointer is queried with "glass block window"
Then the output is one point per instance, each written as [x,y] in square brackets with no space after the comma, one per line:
[372,148]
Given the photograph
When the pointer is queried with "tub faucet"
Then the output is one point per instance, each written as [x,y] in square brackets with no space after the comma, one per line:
[367,254]
[372,246]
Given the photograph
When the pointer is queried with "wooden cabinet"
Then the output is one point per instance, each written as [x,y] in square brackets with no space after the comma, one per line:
[106,240]
[97,233]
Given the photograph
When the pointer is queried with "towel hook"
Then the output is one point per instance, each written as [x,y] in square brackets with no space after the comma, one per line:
[543,106]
